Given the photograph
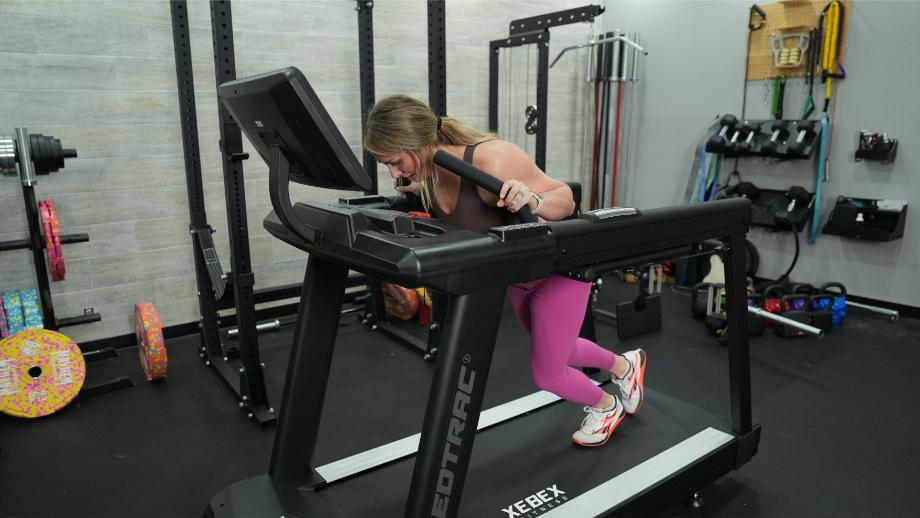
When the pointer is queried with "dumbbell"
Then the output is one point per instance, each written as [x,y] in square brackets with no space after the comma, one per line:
[803,128]
[719,141]
[743,190]
[772,145]
[751,130]
[797,197]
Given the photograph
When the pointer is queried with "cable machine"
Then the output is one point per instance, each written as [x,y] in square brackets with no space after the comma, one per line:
[526,51]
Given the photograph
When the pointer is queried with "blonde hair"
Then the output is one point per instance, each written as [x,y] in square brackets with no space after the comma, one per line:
[400,123]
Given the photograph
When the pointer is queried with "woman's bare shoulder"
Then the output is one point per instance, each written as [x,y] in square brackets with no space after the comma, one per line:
[495,155]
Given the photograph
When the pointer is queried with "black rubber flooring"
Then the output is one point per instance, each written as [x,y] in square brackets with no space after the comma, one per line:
[838,416]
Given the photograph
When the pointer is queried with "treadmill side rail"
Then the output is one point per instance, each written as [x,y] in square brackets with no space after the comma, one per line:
[636,482]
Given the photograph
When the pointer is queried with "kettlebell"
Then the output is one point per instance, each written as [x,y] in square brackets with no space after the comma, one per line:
[819,306]
[803,287]
[716,323]
[699,297]
[839,307]
[755,324]
[771,300]
[794,308]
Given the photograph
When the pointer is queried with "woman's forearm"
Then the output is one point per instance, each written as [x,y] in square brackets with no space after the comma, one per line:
[558,203]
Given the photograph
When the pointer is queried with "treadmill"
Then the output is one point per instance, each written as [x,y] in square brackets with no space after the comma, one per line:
[524,463]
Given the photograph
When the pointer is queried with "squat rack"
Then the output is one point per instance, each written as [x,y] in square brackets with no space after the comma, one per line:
[218,289]
[376,316]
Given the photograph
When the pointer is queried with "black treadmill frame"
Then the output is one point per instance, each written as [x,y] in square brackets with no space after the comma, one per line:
[467,345]
[349,236]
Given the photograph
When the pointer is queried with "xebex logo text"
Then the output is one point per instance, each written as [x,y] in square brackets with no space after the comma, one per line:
[537,503]
[455,438]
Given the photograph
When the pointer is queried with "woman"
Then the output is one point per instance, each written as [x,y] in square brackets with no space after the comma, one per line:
[403,134]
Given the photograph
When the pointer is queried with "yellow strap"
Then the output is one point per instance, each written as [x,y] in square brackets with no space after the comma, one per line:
[831,30]
[825,55]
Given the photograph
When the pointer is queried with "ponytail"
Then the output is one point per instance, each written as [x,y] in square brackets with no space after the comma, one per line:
[400,123]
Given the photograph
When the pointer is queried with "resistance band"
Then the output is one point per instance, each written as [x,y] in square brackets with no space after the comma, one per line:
[811,62]
[752,26]
[833,22]
[819,176]
[701,192]
[714,170]
[779,93]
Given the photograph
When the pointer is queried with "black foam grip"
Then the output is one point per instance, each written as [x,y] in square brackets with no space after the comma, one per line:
[479,178]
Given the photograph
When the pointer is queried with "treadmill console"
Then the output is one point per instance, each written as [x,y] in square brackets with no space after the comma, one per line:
[618,213]
[519,231]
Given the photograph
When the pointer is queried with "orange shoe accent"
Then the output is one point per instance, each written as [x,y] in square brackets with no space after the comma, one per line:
[641,371]
[609,434]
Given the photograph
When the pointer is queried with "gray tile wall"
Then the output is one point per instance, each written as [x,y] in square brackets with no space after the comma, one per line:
[100,76]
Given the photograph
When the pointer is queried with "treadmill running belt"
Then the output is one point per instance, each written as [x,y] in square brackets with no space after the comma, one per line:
[526,467]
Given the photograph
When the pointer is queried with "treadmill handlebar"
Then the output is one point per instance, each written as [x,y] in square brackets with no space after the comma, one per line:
[278,180]
[479,178]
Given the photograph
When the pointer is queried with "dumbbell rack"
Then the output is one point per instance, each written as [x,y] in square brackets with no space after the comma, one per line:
[24,147]
[770,138]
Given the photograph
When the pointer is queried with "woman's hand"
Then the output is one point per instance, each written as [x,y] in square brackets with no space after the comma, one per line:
[514,195]
[413,187]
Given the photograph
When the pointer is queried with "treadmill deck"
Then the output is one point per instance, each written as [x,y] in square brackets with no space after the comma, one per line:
[524,468]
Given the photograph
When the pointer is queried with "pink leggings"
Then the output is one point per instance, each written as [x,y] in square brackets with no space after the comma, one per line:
[552,311]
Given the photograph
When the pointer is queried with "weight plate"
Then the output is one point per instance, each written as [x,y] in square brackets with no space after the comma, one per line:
[151,347]
[41,371]
[36,143]
[4,331]
[31,314]
[13,308]
[58,271]
[400,302]
[47,236]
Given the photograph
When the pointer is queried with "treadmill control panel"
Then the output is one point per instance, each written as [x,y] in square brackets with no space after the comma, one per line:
[617,213]
[519,231]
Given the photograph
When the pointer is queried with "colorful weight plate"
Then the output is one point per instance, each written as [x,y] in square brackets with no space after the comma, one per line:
[13,308]
[51,250]
[58,271]
[151,347]
[31,314]
[4,331]
[400,302]
[41,371]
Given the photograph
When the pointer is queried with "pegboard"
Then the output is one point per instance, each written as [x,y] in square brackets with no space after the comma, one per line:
[787,17]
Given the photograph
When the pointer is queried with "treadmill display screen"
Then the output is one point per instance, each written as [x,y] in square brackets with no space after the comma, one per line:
[281,109]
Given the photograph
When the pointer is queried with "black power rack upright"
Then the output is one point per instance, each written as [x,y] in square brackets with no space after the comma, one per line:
[36,155]
[376,315]
[217,289]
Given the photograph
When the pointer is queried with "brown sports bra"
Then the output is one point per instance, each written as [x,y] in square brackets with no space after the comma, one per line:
[471,212]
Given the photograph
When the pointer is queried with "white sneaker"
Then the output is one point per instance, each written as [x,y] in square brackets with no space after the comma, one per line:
[599,424]
[632,385]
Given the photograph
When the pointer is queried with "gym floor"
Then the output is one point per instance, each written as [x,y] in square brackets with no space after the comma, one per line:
[838,419]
